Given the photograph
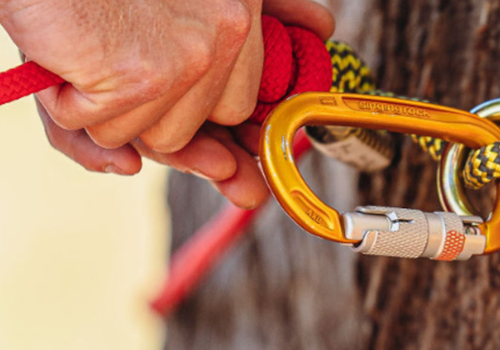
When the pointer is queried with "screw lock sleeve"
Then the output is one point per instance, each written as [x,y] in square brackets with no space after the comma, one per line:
[409,233]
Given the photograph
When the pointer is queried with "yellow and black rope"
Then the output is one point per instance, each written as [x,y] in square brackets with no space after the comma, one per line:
[351,74]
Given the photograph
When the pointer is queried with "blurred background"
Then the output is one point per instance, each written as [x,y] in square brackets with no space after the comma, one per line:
[81,254]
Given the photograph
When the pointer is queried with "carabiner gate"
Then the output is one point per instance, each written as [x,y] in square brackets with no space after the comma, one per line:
[372,230]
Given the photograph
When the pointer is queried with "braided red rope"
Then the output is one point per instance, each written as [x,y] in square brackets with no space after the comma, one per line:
[295,61]
[25,80]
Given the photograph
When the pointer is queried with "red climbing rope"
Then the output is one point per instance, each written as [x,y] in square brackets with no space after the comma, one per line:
[295,61]
[25,80]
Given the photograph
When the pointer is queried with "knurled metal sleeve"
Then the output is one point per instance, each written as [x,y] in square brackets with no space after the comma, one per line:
[409,241]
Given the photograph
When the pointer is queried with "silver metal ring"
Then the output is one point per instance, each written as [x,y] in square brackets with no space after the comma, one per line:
[450,184]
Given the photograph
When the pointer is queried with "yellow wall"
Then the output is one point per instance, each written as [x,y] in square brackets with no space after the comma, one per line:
[80,253]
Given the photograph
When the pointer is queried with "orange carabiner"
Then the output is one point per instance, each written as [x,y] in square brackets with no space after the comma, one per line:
[373,112]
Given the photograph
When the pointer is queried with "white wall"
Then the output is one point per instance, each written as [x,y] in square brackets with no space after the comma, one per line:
[81,254]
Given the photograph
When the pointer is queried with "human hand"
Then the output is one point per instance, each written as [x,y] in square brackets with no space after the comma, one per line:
[145,76]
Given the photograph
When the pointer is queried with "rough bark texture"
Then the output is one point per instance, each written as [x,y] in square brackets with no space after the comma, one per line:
[280,288]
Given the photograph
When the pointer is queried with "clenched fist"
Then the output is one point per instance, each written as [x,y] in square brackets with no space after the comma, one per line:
[157,78]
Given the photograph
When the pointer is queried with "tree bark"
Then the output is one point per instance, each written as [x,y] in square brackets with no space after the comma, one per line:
[281,288]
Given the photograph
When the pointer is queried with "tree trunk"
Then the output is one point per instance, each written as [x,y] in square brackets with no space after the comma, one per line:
[281,288]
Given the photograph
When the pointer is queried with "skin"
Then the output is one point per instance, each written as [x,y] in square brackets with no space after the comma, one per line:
[167,80]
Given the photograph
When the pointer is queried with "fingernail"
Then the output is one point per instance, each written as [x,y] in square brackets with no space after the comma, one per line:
[113,169]
[200,174]
[250,206]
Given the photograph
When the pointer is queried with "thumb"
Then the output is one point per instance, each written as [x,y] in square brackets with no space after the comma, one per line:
[304,13]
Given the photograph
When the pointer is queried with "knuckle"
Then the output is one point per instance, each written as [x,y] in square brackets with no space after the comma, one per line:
[198,56]
[233,114]
[166,144]
[202,58]
[102,139]
[150,82]
[237,21]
